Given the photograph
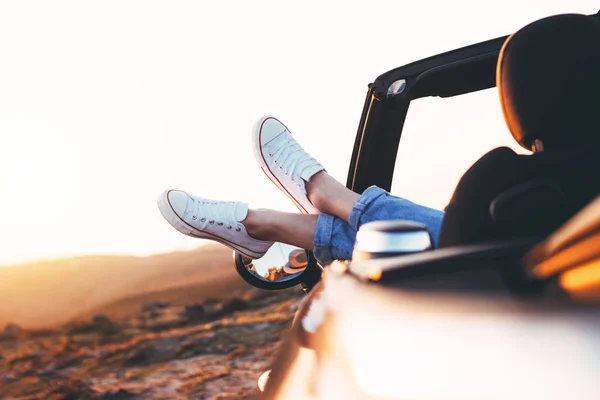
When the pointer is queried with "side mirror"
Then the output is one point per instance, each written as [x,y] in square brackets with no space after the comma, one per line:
[282,267]
[390,238]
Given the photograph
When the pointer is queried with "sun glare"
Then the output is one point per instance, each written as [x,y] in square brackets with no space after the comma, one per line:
[100,111]
[37,178]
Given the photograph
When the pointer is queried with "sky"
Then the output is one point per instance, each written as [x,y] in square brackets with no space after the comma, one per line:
[104,105]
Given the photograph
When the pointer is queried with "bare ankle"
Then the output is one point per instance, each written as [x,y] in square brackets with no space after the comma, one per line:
[315,189]
[257,224]
[329,196]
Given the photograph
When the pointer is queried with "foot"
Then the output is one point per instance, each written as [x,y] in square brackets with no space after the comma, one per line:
[207,219]
[284,162]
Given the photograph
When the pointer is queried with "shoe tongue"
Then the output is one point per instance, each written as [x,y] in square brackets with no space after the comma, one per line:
[309,171]
[240,211]
[279,139]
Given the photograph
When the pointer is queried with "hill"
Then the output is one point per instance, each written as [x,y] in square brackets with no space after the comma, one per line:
[50,293]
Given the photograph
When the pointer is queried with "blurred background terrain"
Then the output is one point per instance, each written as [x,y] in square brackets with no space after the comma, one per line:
[177,325]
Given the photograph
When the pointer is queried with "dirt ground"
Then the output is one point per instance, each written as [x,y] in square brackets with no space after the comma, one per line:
[215,349]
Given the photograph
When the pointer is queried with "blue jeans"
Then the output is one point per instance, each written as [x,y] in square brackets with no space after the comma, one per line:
[334,237]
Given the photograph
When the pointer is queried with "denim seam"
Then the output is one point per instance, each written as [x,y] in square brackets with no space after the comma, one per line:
[323,238]
[339,250]
[365,200]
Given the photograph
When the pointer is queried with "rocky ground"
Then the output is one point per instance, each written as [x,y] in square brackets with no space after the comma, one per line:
[209,350]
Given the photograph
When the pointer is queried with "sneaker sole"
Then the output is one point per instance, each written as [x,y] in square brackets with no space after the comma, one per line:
[262,163]
[165,208]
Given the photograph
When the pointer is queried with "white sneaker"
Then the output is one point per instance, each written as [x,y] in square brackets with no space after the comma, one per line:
[284,162]
[209,219]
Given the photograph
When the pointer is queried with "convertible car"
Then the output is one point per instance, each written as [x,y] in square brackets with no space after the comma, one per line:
[508,304]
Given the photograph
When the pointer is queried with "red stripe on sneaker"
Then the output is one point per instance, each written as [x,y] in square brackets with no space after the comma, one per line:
[281,186]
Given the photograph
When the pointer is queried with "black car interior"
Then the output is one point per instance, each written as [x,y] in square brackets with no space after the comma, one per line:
[505,195]
[572,254]
[547,77]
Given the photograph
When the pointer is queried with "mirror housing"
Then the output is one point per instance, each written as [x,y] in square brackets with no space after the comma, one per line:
[280,272]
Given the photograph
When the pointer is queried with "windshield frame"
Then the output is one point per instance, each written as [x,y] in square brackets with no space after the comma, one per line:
[461,71]
[465,70]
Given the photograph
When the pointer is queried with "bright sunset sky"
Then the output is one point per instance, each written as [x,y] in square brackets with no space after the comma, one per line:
[103,105]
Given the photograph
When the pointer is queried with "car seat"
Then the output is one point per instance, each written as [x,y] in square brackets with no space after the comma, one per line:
[548,78]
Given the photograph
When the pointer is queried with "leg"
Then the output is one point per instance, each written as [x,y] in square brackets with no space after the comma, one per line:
[329,196]
[298,175]
[334,237]
[303,179]
[250,232]
[329,237]
[376,204]
[276,226]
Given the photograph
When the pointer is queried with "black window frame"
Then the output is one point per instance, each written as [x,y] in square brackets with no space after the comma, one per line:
[465,70]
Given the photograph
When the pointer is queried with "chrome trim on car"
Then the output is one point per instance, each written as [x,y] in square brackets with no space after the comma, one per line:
[392,242]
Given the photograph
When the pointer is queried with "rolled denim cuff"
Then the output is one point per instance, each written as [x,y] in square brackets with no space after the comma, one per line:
[369,195]
[334,237]
[322,240]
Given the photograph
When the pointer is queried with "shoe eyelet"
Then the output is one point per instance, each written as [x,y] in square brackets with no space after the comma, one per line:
[202,219]
[238,229]
[194,217]
[270,155]
[220,223]
[229,227]
[212,222]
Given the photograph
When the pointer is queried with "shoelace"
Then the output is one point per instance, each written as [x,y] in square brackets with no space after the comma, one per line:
[222,212]
[293,156]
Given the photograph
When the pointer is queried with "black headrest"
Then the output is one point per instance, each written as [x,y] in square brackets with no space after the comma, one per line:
[548,77]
